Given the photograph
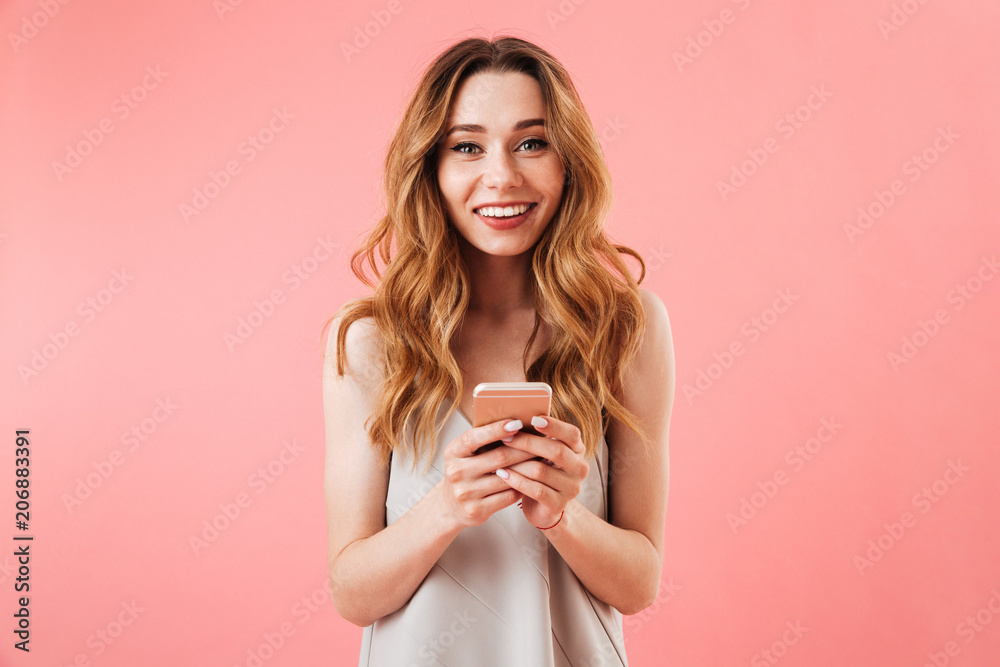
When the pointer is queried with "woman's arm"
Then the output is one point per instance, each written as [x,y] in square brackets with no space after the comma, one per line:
[620,560]
[375,569]
[372,570]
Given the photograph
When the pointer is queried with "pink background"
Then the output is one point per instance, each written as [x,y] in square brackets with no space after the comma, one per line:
[121,550]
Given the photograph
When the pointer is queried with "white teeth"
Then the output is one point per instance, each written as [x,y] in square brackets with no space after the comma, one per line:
[504,212]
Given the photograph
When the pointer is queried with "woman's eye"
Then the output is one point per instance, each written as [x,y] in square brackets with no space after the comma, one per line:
[459,148]
[541,144]
[466,148]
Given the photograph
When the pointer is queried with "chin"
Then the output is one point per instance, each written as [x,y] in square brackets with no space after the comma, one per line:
[502,249]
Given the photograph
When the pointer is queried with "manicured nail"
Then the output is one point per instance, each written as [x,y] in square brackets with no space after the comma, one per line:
[539,422]
[515,425]
[503,473]
[508,439]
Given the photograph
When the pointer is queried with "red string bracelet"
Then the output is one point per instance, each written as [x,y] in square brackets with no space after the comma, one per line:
[557,521]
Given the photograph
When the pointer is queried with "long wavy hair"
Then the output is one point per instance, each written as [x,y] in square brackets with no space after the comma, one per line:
[581,285]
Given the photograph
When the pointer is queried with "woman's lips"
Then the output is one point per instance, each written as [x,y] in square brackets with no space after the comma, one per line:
[502,224]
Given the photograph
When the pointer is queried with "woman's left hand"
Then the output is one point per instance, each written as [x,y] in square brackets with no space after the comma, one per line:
[547,486]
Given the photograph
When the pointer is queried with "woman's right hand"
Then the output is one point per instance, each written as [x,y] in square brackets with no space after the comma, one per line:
[470,488]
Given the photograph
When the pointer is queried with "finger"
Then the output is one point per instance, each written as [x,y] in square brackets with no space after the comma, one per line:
[539,446]
[488,462]
[545,495]
[497,501]
[473,471]
[555,479]
[557,452]
[482,497]
[476,437]
[476,489]
[565,432]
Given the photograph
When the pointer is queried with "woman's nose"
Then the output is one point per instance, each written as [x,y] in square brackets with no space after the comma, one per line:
[501,171]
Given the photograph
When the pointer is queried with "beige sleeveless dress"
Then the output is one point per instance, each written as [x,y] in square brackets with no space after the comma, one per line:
[500,595]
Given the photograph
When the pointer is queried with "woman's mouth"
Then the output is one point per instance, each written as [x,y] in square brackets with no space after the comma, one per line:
[505,217]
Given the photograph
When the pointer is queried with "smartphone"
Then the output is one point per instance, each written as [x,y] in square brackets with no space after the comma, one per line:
[492,401]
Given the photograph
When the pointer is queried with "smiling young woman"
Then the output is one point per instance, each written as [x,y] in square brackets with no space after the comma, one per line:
[500,180]
[496,268]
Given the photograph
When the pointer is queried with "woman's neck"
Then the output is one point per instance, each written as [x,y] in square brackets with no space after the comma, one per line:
[500,286]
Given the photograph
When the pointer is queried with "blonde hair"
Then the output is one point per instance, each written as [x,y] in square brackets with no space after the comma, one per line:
[582,287]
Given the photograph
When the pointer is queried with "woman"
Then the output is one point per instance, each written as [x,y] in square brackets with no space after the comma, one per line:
[528,553]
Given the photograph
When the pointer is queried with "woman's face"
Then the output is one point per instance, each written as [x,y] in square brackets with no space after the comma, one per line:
[494,162]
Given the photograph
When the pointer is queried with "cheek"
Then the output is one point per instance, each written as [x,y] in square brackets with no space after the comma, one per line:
[550,178]
[560,182]
[450,186]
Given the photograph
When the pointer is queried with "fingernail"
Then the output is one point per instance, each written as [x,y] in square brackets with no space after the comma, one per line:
[539,422]
[508,439]
[503,473]
[515,425]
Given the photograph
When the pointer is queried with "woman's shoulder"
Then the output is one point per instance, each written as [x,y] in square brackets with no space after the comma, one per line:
[656,312]
[362,339]
[657,340]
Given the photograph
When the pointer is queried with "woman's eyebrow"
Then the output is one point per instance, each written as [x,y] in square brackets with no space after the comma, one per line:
[519,125]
